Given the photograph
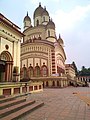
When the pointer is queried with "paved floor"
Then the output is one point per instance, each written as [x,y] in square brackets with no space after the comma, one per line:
[61,104]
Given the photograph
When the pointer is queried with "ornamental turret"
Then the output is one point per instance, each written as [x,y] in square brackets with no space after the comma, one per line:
[27,22]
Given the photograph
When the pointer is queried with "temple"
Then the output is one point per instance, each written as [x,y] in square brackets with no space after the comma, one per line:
[42,53]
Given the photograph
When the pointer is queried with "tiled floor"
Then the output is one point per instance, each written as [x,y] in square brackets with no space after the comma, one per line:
[61,104]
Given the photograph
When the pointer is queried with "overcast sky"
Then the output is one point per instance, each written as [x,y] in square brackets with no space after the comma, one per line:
[72,20]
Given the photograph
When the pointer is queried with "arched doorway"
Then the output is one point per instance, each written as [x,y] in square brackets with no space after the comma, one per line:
[37,22]
[30,71]
[2,70]
[46,83]
[6,67]
[53,84]
[37,71]
[44,70]
[57,83]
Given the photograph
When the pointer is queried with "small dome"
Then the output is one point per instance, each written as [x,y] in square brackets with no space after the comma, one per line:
[38,11]
[60,40]
[45,12]
[27,18]
[51,24]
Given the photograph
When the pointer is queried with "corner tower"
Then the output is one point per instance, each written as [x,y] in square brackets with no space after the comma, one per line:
[27,21]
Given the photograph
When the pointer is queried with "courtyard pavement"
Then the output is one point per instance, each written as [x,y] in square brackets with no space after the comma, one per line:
[61,104]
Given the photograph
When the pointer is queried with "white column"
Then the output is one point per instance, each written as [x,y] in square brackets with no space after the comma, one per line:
[18,58]
[12,91]
[21,90]
[61,83]
[0,45]
[27,88]
[33,87]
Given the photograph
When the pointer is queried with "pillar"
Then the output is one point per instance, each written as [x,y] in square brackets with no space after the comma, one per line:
[12,91]
[33,87]
[21,90]
[27,88]
[1,91]
[61,83]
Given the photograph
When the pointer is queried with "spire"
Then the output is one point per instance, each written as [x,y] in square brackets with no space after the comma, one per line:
[44,7]
[51,19]
[27,13]
[39,4]
[59,36]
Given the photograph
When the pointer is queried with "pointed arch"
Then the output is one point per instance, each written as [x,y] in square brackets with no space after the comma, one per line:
[53,84]
[48,33]
[7,71]
[57,83]
[24,72]
[44,70]
[30,71]
[37,71]
[47,84]
[37,22]
[6,56]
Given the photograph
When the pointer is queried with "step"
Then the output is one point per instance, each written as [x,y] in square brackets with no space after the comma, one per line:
[20,113]
[2,96]
[6,99]
[15,108]
[11,103]
[9,98]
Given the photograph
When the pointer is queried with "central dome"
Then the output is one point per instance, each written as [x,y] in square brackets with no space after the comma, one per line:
[38,11]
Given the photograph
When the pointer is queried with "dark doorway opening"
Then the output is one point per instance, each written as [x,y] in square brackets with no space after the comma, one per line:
[2,70]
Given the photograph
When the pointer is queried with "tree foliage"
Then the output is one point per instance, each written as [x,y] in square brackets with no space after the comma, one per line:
[84,71]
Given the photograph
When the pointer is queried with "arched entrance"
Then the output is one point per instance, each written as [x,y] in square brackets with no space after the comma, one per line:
[46,83]
[44,70]
[57,83]
[30,71]
[6,65]
[53,83]
[37,71]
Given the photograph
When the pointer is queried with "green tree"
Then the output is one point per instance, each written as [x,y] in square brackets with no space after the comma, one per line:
[84,71]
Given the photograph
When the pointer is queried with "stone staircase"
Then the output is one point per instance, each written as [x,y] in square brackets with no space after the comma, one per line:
[13,108]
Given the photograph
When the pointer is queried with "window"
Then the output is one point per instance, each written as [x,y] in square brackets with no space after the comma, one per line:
[24,23]
[30,71]
[37,71]
[46,83]
[44,19]
[48,33]
[53,83]
[37,22]
[44,70]
[57,83]
[24,72]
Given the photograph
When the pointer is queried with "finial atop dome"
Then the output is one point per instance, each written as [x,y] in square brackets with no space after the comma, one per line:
[39,4]
[27,13]
[44,7]
[59,36]
[60,40]
[51,19]
[27,21]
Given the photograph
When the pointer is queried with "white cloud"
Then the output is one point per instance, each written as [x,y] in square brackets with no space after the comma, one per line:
[76,38]
[67,20]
